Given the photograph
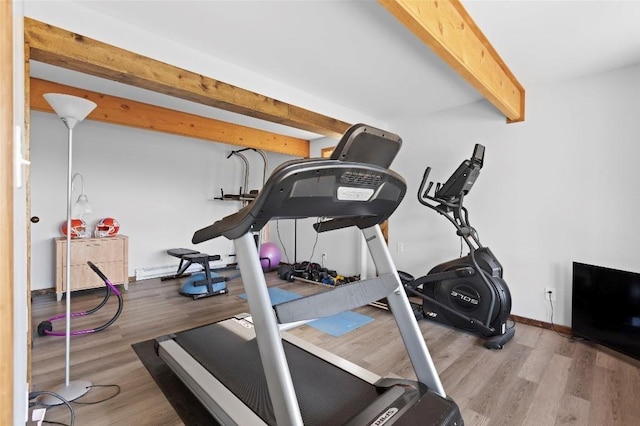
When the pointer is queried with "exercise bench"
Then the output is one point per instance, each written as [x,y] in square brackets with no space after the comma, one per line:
[202,284]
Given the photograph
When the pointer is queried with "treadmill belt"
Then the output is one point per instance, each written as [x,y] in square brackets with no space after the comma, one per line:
[327,395]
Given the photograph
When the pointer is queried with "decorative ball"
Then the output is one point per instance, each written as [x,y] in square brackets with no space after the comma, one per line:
[269,255]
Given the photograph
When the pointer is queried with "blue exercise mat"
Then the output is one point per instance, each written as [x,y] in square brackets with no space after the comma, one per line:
[342,323]
[335,325]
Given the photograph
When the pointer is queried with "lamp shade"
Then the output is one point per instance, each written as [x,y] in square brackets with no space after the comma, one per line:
[71,109]
[81,207]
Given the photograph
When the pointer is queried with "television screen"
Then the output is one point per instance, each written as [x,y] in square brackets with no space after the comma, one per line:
[606,307]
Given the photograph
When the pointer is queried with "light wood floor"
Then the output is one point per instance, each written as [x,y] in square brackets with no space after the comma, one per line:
[539,378]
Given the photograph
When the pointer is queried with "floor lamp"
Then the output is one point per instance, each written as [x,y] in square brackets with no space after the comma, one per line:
[71,110]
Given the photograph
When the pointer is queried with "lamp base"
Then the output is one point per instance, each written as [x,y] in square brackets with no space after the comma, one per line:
[75,390]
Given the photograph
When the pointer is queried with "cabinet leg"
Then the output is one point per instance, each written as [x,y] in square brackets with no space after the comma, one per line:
[59,296]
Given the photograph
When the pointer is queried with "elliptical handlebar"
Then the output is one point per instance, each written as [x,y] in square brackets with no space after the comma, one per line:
[422,193]
[451,193]
[448,198]
[442,206]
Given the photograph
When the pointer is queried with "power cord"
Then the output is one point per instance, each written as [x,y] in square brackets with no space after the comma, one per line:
[34,395]
[102,400]
[315,243]
[569,337]
[284,248]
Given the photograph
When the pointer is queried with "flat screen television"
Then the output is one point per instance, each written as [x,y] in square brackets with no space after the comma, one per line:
[606,307]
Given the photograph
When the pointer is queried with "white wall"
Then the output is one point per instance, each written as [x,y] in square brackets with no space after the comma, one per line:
[560,187]
[159,187]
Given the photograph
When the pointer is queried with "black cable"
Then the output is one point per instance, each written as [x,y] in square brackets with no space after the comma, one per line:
[102,400]
[281,243]
[285,250]
[315,243]
[34,395]
[72,414]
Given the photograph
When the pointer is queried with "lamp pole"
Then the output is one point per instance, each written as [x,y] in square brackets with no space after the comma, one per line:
[71,110]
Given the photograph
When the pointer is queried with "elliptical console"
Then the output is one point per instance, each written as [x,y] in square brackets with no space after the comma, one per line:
[469,292]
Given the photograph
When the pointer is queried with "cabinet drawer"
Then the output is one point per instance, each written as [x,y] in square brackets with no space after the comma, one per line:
[94,249]
[82,276]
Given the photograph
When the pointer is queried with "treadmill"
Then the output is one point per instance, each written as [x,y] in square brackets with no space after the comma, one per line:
[247,370]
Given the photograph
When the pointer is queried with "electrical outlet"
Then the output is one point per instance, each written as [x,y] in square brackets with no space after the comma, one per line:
[400,247]
[550,294]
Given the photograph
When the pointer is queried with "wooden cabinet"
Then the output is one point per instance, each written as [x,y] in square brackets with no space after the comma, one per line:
[110,254]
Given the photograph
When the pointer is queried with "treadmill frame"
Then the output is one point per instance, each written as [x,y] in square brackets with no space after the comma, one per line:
[227,408]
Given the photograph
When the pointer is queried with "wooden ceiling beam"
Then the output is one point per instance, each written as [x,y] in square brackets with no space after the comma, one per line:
[56,46]
[130,113]
[447,28]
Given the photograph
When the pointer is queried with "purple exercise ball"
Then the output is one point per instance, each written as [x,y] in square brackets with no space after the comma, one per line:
[269,255]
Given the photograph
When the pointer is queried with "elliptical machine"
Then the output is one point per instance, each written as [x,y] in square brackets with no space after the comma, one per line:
[468,293]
